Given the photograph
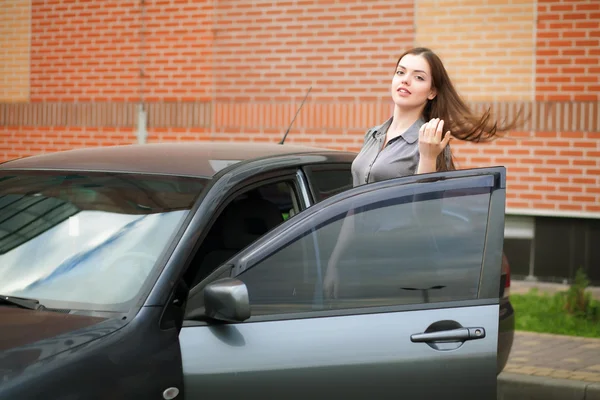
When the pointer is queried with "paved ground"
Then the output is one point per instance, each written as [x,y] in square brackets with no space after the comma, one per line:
[551,367]
[555,356]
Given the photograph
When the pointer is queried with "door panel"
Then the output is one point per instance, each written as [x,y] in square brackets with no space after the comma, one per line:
[423,256]
[350,357]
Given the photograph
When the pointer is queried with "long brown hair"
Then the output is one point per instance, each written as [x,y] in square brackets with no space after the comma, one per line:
[458,118]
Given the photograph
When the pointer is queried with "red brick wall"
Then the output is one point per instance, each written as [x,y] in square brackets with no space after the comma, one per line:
[268,54]
[15,25]
[487,46]
[177,59]
[547,171]
[271,51]
[568,50]
[33,140]
[238,69]
[84,50]
[95,50]
[564,168]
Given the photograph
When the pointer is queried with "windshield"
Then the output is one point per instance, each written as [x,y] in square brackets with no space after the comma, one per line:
[87,241]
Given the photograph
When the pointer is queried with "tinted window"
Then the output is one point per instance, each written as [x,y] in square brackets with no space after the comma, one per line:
[245,219]
[87,240]
[402,251]
[328,181]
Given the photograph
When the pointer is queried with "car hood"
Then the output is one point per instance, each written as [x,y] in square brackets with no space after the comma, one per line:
[27,336]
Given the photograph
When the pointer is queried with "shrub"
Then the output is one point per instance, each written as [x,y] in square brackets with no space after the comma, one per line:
[578,302]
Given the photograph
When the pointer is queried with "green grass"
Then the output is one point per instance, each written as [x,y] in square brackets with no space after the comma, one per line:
[545,313]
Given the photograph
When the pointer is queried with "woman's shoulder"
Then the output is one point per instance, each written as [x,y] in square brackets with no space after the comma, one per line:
[374,130]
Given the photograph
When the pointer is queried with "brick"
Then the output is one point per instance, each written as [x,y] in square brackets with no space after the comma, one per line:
[588,6]
[573,34]
[265,56]
[579,29]
[562,7]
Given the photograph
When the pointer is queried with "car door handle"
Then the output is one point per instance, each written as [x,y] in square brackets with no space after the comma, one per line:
[451,335]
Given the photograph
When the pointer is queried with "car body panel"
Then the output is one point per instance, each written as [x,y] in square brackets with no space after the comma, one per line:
[20,327]
[201,159]
[115,360]
[29,337]
[349,357]
[506,333]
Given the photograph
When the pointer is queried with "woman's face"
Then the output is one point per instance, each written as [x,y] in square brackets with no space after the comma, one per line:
[412,82]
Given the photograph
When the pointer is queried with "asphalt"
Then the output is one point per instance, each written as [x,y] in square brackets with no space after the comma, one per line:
[527,387]
[550,367]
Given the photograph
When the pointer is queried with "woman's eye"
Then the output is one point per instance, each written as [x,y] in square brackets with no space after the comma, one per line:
[399,72]
[420,78]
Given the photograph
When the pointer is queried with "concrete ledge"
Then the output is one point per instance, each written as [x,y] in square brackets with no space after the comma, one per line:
[592,391]
[527,387]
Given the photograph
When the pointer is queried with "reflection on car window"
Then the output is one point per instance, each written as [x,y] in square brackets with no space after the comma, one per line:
[245,219]
[407,250]
[329,181]
[86,240]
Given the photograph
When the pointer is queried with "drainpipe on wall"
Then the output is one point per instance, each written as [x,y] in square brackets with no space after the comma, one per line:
[141,132]
[531,277]
[142,118]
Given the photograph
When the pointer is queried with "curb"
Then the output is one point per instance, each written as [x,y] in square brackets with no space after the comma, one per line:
[558,336]
[520,286]
[513,386]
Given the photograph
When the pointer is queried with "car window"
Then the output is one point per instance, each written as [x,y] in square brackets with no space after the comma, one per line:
[328,180]
[408,250]
[247,217]
[87,240]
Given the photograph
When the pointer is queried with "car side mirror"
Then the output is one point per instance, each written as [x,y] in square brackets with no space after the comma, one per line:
[227,300]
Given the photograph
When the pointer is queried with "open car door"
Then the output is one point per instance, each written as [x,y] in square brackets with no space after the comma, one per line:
[410,308]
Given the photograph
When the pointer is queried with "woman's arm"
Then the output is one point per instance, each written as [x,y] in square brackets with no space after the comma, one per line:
[431,145]
[330,282]
[426,165]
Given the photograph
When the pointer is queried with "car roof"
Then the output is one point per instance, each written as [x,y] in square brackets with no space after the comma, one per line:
[200,159]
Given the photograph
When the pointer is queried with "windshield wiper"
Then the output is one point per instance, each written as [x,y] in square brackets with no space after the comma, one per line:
[22,302]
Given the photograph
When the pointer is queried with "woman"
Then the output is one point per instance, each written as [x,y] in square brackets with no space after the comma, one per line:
[406,144]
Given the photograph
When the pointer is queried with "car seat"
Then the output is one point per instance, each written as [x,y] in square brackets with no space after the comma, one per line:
[243,222]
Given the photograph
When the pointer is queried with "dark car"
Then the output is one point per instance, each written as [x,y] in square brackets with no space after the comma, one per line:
[195,271]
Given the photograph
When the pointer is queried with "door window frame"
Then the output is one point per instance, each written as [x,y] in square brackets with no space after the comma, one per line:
[225,269]
[324,211]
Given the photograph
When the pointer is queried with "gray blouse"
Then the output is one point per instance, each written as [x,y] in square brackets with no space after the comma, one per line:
[400,157]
